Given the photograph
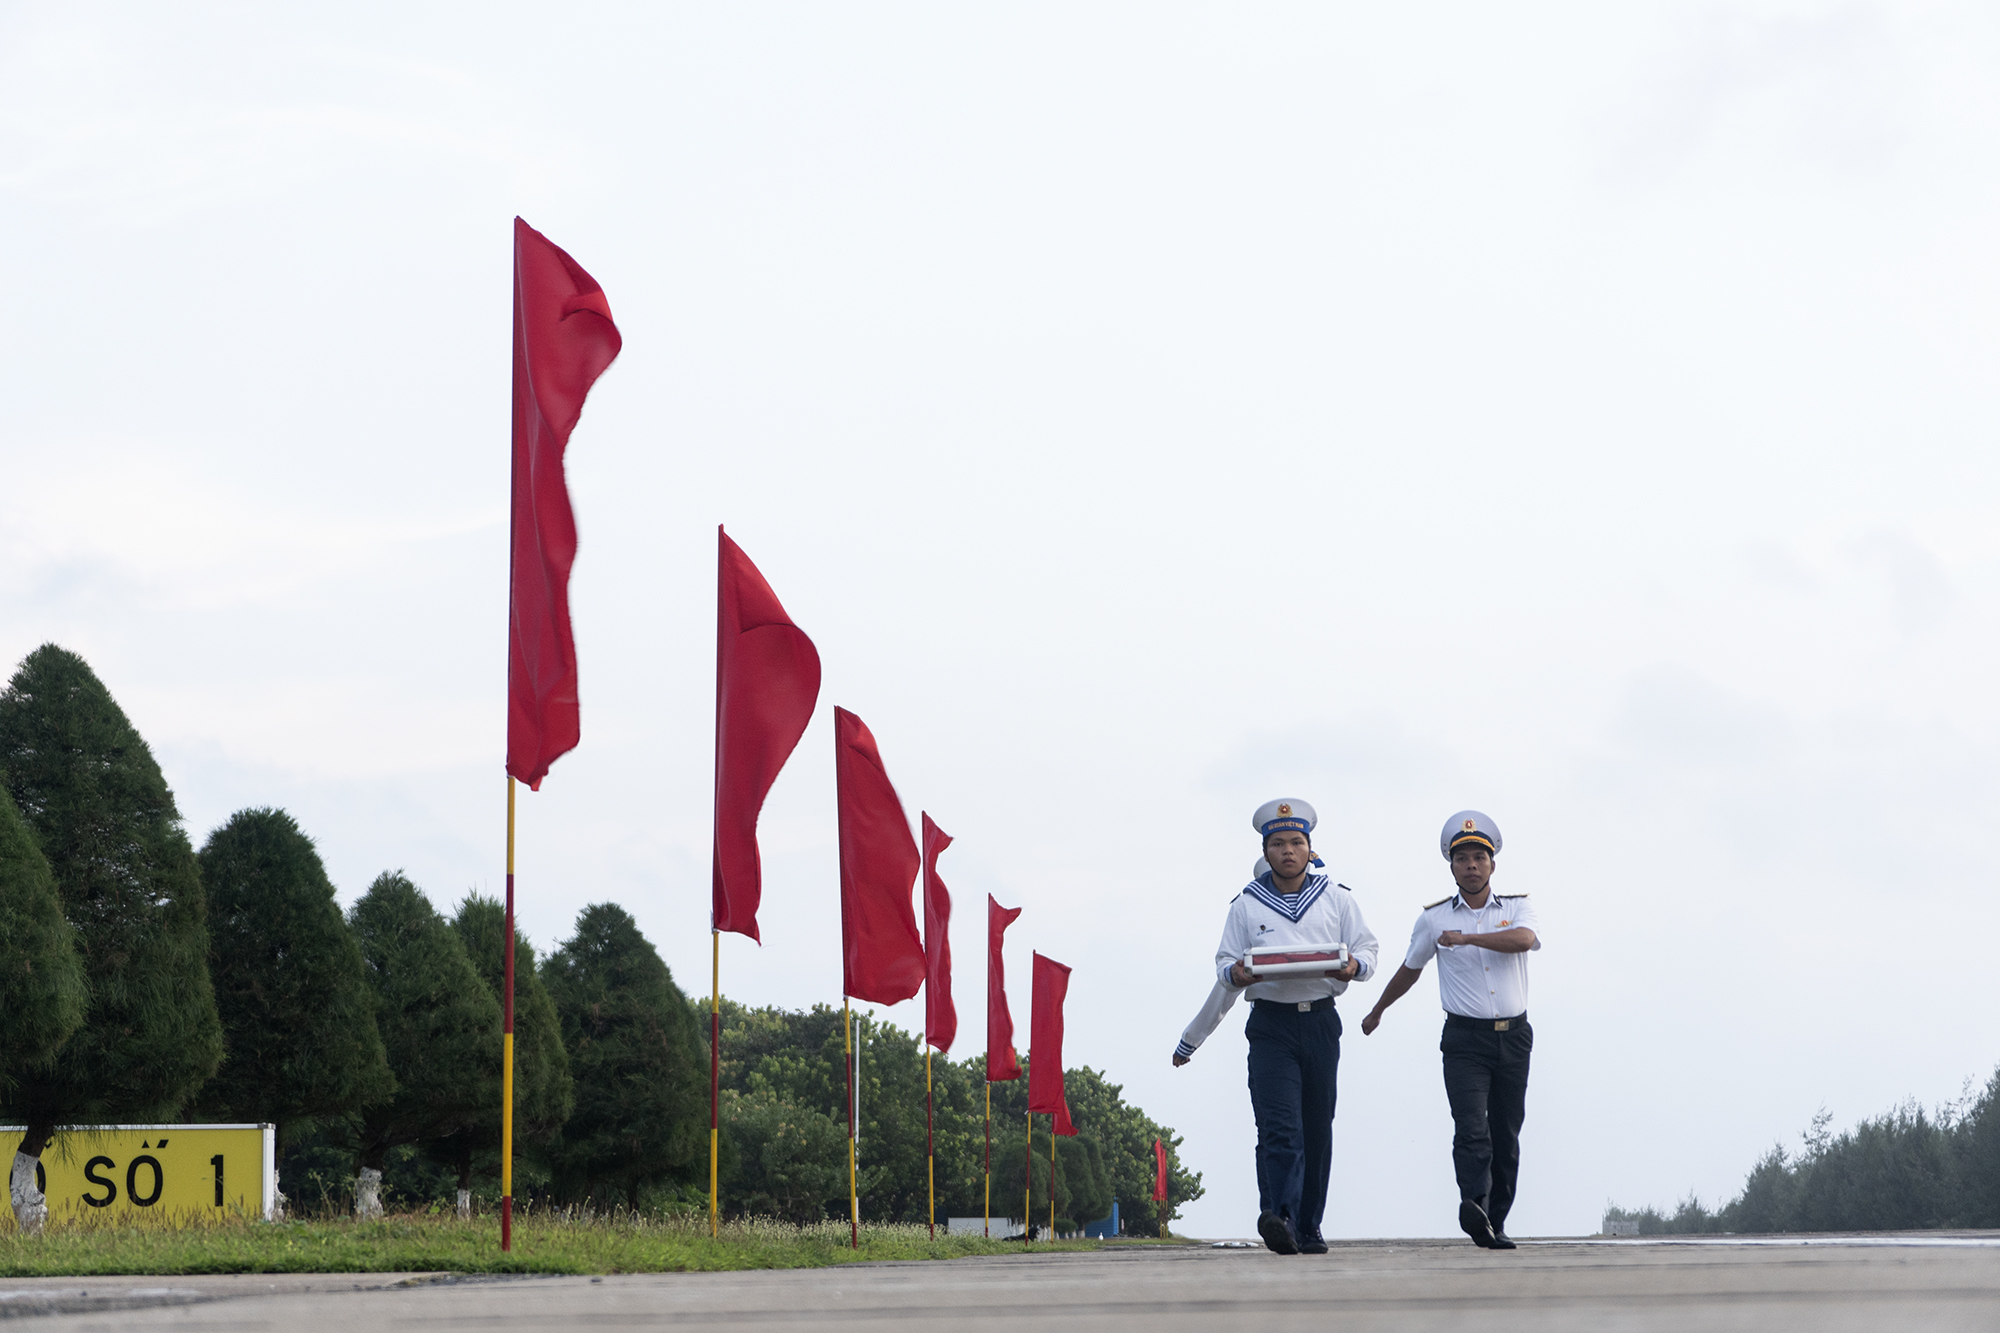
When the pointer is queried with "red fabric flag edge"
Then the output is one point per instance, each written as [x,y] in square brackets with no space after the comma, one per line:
[564,338]
[882,955]
[1003,1063]
[767,677]
[1045,1043]
[940,1014]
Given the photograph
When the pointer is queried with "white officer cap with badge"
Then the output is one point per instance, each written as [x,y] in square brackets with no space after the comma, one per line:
[1469,827]
[1286,815]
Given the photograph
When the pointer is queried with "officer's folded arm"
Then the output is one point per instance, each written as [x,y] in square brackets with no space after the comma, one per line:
[1518,940]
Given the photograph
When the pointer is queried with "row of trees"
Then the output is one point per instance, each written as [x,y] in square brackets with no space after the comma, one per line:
[141,980]
[783,1111]
[1907,1170]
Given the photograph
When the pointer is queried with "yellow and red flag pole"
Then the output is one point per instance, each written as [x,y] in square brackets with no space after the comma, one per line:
[1028,1182]
[1052,1179]
[930,1145]
[507,1048]
[986,1222]
[714,1078]
[853,1118]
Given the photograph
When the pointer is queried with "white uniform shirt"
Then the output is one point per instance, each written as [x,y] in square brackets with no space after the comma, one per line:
[1475,982]
[1321,912]
[1220,998]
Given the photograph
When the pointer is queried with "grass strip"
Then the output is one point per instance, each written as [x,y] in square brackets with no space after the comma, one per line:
[544,1243]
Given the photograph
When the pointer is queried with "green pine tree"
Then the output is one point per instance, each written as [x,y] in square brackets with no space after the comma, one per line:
[543,1089]
[297,1015]
[639,1061]
[788,1161]
[102,814]
[1083,1167]
[439,1023]
[42,990]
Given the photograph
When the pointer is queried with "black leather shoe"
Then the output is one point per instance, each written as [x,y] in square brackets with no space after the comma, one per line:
[1312,1245]
[1500,1242]
[1472,1221]
[1277,1234]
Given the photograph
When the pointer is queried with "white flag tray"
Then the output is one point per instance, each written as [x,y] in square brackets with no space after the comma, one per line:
[1296,960]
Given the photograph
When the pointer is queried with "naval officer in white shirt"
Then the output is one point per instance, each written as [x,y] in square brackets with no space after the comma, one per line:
[1293,1030]
[1481,940]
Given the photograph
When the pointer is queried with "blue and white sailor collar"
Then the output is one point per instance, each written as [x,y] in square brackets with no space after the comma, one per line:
[1291,906]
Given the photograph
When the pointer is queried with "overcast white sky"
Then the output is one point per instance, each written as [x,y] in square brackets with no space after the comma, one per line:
[1585,413]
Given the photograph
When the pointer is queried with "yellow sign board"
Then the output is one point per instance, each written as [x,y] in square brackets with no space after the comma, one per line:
[174,1174]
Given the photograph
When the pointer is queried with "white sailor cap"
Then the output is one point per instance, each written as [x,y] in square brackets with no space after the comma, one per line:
[1469,826]
[1280,815]
[1261,869]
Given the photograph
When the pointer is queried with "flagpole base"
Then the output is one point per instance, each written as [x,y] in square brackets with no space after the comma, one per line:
[506,1223]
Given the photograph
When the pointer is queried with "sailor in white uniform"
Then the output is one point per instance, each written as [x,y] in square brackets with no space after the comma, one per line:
[1481,940]
[1294,1031]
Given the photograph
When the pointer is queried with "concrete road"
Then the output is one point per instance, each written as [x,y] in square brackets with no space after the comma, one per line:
[1381,1285]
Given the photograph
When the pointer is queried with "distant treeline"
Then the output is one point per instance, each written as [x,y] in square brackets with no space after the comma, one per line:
[1907,1170]
[141,980]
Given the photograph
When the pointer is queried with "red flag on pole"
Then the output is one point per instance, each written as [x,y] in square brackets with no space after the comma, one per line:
[1003,1065]
[766,683]
[940,1016]
[883,959]
[1045,1042]
[563,340]
[1159,1172]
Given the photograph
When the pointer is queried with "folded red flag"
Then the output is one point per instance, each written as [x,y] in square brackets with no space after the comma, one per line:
[563,340]
[883,960]
[940,1016]
[1002,1064]
[1045,1042]
[1159,1172]
[766,683]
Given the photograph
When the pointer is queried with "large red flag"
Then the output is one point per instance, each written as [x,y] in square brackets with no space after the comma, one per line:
[1159,1172]
[1003,1065]
[883,957]
[940,1015]
[766,683]
[563,340]
[1045,1041]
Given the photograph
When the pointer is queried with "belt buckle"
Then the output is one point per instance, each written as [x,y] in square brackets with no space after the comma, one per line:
[1502,1024]
[1305,1006]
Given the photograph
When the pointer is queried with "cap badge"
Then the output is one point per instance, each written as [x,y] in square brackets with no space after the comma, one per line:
[1471,826]
[1285,809]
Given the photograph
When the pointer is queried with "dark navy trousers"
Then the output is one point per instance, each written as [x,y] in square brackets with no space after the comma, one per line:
[1294,1068]
[1486,1078]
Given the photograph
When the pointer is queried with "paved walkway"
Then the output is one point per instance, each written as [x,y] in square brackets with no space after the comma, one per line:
[1378,1285]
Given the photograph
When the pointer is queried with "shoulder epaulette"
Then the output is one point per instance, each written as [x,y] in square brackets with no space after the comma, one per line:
[1440,902]
[1510,895]
[1349,888]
